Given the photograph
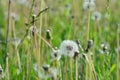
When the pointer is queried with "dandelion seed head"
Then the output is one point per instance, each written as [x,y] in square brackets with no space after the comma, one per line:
[89,4]
[96,16]
[14,16]
[68,48]
[16,41]
[55,55]
[33,29]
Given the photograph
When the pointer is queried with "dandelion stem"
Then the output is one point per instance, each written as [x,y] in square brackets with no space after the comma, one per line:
[74,19]
[76,64]
[66,68]
[36,47]
[71,69]
[88,26]
[18,56]
[7,33]
[117,52]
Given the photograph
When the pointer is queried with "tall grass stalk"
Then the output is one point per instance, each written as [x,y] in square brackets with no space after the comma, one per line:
[117,52]
[76,69]
[87,38]
[7,34]
[89,66]
[66,68]
[71,69]
[36,45]
[16,49]
[74,19]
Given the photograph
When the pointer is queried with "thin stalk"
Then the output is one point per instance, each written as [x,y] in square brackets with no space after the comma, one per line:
[76,65]
[7,34]
[74,19]
[71,69]
[36,47]
[18,56]
[66,69]
[40,32]
[87,38]
[117,52]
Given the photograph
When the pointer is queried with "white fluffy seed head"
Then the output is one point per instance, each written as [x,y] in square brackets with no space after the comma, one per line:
[55,55]
[68,48]
[96,16]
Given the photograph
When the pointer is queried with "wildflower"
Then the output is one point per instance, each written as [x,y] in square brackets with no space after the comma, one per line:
[96,16]
[56,55]
[68,48]
[89,4]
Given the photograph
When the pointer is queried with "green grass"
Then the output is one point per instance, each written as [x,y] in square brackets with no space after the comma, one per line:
[66,20]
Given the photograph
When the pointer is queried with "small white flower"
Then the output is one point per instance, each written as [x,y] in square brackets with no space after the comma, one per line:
[56,55]
[68,48]
[89,4]
[96,16]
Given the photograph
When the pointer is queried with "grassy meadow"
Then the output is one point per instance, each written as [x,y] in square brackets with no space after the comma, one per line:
[59,40]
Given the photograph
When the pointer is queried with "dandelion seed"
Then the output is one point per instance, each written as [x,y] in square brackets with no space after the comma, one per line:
[15,41]
[96,16]
[48,72]
[14,16]
[68,48]
[56,55]
[89,4]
